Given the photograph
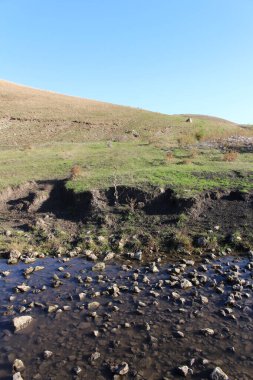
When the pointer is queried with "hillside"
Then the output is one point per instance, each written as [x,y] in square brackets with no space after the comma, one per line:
[43,135]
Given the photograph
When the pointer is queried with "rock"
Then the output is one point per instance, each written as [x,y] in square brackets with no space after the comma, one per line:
[28,271]
[136,289]
[52,308]
[218,374]
[183,370]
[23,288]
[179,334]
[18,365]
[202,242]
[93,305]
[146,280]
[207,331]
[114,290]
[92,257]
[185,284]
[38,267]
[96,355]
[203,300]
[121,369]
[17,376]
[138,255]
[175,295]
[77,370]
[109,256]
[21,323]
[47,354]
[29,260]
[14,256]
[154,294]
[154,268]
[5,273]
[82,296]
[98,267]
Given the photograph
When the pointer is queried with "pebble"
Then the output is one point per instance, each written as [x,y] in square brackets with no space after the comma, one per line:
[98,267]
[77,370]
[185,284]
[18,365]
[183,370]
[109,256]
[47,354]
[93,305]
[52,308]
[17,376]
[23,288]
[82,296]
[121,369]
[207,331]
[218,374]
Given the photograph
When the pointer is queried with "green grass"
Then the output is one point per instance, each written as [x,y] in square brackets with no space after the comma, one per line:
[125,163]
[43,135]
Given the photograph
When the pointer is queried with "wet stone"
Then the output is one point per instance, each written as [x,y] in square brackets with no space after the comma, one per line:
[93,305]
[183,370]
[17,376]
[98,267]
[21,323]
[218,374]
[47,354]
[18,365]
[121,369]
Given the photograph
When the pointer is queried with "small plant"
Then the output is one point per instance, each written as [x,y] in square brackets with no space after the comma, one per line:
[75,171]
[182,240]
[186,161]
[169,156]
[182,219]
[193,153]
[199,135]
[230,156]
[132,204]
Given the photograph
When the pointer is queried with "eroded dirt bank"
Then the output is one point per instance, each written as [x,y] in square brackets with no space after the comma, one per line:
[45,216]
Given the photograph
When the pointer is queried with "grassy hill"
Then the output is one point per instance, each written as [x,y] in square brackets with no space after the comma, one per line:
[44,135]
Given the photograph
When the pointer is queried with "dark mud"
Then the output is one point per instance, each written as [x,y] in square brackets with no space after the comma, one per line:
[142,322]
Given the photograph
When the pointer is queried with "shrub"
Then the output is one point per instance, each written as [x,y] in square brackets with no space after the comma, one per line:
[199,135]
[230,156]
[75,171]
[185,140]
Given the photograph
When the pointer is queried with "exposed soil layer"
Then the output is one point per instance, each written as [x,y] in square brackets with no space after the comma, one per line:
[118,209]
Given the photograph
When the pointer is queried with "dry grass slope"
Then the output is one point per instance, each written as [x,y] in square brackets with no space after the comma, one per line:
[43,135]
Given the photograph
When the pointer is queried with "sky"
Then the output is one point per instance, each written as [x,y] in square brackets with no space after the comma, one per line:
[170,56]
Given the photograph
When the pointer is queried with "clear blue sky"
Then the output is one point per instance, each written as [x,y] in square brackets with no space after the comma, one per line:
[171,56]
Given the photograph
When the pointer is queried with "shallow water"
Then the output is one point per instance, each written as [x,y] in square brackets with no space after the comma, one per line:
[150,343]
